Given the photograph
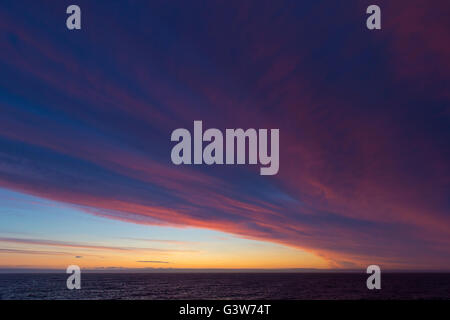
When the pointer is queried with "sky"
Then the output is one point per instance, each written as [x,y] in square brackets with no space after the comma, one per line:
[86,118]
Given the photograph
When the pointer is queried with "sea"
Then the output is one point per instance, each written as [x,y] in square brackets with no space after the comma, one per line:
[223,286]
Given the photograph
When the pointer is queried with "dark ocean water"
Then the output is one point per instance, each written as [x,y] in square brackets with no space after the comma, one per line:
[226,286]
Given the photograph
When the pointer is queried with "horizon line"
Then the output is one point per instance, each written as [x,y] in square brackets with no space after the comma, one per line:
[20,270]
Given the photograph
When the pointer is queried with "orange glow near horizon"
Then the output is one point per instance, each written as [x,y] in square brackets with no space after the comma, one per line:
[249,254]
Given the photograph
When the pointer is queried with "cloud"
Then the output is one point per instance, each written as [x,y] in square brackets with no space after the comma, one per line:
[39,252]
[364,169]
[57,243]
[166,241]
